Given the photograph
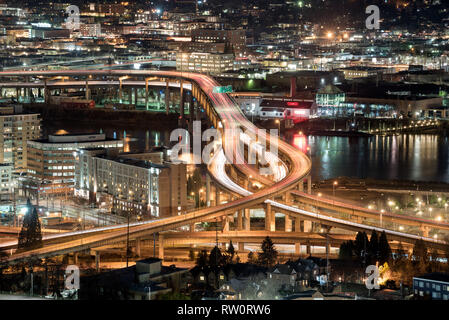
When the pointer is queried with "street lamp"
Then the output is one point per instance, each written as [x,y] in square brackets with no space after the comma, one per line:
[333,187]
[278,122]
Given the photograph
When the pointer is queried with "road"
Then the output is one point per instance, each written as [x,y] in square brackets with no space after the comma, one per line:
[232,118]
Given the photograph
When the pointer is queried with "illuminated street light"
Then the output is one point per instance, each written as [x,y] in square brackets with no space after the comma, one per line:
[333,187]
[401,228]
[439,218]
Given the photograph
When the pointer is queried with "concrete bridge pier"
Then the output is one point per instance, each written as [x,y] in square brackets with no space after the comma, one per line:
[97,260]
[298,248]
[301,186]
[161,246]
[207,190]
[309,184]
[240,215]
[307,226]
[288,223]
[217,195]
[138,247]
[269,218]
[247,220]
[225,223]
[297,225]
[167,98]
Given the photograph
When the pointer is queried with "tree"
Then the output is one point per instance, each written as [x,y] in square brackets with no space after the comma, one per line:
[360,246]
[346,251]
[215,257]
[373,247]
[230,252]
[192,254]
[252,258]
[420,253]
[30,236]
[384,249]
[202,259]
[269,253]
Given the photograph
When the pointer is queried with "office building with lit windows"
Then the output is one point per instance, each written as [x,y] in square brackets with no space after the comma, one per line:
[16,128]
[51,162]
[211,63]
[140,185]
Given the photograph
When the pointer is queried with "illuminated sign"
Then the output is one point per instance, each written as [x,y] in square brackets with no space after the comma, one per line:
[292,103]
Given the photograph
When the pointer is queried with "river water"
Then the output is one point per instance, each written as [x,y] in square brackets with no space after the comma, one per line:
[403,157]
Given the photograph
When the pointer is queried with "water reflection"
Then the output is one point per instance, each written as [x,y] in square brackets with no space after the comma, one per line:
[408,157]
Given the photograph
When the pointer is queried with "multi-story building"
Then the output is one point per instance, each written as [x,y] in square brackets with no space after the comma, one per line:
[90,30]
[51,162]
[204,62]
[141,184]
[236,39]
[432,285]
[16,128]
[6,183]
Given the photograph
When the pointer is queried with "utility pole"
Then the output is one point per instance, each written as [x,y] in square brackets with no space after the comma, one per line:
[127,243]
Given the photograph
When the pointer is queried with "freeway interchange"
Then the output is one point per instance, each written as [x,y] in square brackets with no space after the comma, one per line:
[289,169]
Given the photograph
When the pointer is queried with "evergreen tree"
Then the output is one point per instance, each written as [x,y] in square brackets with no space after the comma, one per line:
[360,246]
[269,253]
[384,249]
[230,252]
[30,236]
[215,257]
[373,248]
[420,253]
[252,258]
[202,259]
[346,251]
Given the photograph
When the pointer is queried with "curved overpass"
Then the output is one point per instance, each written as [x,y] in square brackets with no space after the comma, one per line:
[298,164]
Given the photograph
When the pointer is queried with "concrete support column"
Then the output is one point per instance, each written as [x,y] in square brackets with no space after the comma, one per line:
[192,227]
[288,223]
[146,94]
[182,99]
[167,98]
[307,226]
[120,90]
[97,260]
[241,247]
[75,258]
[225,223]
[287,197]
[308,251]
[217,195]
[240,214]
[136,95]
[138,253]
[309,184]
[161,246]
[297,248]
[87,90]
[191,107]
[207,190]
[130,95]
[269,218]
[301,186]
[297,225]
[247,220]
